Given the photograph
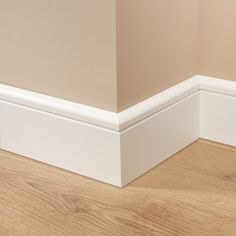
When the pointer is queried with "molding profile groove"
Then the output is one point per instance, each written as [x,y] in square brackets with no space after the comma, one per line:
[112,147]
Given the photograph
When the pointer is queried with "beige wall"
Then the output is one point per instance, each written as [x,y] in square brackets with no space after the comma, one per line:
[112,54]
[218,38]
[64,48]
[157,46]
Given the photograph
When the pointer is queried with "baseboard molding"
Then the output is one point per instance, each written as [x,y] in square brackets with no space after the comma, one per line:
[217,110]
[117,147]
[158,137]
[218,117]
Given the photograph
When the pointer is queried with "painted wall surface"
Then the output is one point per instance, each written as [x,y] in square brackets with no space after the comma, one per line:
[63,48]
[113,54]
[157,46]
[218,38]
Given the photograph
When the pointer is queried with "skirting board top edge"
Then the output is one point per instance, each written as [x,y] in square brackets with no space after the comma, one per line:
[172,95]
[116,121]
[216,85]
[57,106]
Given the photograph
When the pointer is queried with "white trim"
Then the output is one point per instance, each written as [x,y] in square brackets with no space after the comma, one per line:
[57,106]
[117,147]
[218,110]
[72,145]
[157,102]
[218,117]
[216,85]
[158,137]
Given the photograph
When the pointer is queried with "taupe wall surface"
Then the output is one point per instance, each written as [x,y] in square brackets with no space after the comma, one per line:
[63,48]
[218,38]
[113,54]
[157,46]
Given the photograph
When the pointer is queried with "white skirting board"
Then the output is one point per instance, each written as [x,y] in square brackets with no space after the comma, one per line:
[158,137]
[78,147]
[218,117]
[117,147]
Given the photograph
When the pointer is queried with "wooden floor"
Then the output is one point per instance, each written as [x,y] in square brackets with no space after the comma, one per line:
[192,193]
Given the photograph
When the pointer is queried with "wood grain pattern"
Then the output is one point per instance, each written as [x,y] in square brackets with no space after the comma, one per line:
[192,193]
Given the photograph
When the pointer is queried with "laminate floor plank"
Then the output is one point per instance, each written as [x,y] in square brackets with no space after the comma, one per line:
[193,193]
